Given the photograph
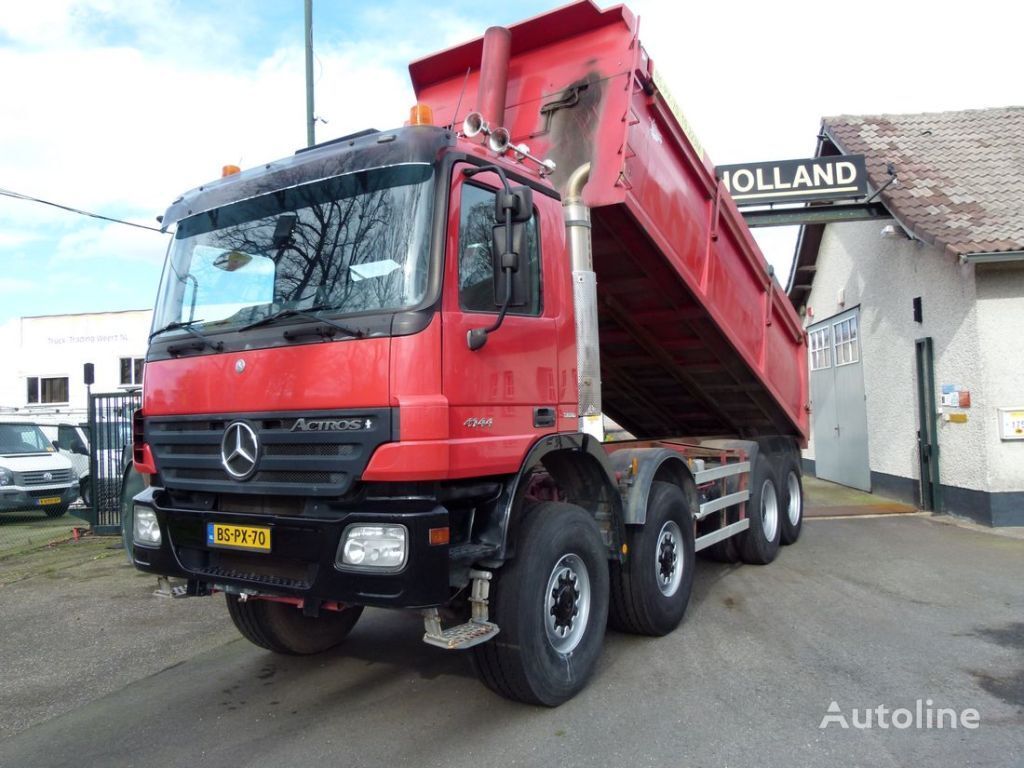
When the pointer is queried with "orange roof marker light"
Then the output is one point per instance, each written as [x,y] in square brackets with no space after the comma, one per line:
[229,170]
[421,114]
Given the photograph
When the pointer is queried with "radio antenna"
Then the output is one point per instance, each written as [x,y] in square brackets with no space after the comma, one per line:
[455,114]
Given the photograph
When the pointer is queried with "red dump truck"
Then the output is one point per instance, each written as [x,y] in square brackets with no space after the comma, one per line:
[379,369]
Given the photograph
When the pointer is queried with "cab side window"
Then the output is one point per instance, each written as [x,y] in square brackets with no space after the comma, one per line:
[476,264]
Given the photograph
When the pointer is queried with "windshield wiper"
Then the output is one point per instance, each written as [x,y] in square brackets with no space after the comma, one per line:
[202,341]
[310,312]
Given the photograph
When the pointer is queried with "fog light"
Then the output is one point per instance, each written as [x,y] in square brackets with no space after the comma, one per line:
[146,529]
[373,546]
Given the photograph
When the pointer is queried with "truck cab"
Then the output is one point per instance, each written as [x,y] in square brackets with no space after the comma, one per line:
[310,351]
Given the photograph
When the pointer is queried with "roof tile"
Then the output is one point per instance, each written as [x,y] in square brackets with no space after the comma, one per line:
[961,174]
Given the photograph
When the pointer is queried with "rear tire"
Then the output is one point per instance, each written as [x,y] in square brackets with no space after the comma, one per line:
[282,628]
[551,603]
[759,544]
[650,591]
[792,512]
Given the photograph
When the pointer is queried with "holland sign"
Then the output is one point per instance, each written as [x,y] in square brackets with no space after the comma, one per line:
[794,181]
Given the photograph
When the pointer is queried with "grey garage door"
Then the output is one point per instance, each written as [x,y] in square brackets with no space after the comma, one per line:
[839,419]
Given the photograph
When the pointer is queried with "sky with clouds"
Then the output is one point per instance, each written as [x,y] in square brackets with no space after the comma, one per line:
[117,106]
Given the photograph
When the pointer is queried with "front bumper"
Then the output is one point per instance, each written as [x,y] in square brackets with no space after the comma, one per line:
[14,497]
[301,562]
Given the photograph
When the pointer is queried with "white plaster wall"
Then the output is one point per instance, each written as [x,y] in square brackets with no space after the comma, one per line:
[1001,335]
[59,345]
[883,275]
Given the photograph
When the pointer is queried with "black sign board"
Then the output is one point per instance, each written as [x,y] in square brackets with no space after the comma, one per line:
[796,181]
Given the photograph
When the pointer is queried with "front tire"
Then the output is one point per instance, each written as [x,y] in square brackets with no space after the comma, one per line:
[792,513]
[282,628]
[759,544]
[650,592]
[551,604]
[58,510]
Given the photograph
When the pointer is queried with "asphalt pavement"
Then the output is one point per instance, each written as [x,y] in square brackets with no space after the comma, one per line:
[863,612]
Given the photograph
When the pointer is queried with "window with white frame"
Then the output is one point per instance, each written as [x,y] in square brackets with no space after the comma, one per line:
[821,349]
[46,390]
[131,371]
[845,335]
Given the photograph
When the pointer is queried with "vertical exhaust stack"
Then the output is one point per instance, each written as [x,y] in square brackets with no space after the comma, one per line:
[584,295]
[494,75]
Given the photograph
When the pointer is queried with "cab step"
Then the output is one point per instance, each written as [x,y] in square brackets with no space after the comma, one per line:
[479,629]
[459,637]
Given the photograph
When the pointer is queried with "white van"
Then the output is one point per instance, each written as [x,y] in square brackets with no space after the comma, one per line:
[73,441]
[33,475]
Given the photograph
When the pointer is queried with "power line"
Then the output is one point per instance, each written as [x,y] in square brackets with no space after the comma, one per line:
[20,196]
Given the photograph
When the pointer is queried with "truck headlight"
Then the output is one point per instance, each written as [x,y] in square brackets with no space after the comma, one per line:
[146,528]
[373,546]
[6,477]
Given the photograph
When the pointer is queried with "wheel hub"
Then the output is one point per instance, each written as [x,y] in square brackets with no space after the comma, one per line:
[567,604]
[668,565]
[666,558]
[565,599]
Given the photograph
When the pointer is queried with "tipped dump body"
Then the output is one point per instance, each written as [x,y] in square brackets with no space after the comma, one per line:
[696,336]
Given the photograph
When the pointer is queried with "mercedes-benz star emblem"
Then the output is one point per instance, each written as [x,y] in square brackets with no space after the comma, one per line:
[239,450]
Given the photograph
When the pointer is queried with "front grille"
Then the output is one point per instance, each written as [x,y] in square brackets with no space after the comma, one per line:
[56,476]
[314,478]
[307,462]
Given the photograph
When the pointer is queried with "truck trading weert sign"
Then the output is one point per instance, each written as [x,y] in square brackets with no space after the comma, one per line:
[794,181]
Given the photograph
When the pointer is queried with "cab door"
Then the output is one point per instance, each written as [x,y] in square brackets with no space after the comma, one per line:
[503,396]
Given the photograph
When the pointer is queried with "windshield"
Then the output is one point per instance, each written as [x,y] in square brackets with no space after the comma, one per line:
[23,438]
[351,244]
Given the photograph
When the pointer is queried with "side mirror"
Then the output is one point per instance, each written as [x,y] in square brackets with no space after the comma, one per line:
[513,208]
[77,446]
[512,260]
[519,200]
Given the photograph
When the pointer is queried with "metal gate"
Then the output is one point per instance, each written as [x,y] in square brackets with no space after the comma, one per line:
[110,438]
[839,420]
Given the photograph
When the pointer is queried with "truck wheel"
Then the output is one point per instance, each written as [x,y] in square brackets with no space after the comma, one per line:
[85,490]
[551,604]
[282,628]
[649,593]
[58,510]
[759,544]
[792,502]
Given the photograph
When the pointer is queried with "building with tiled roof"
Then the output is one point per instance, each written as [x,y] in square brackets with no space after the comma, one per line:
[916,319]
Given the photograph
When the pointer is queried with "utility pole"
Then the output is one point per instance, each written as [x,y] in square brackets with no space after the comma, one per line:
[310,119]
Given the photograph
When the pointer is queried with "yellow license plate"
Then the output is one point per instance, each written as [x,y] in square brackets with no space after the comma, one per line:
[50,500]
[250,537]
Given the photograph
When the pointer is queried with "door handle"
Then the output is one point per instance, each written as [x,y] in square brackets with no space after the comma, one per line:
[543,417]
